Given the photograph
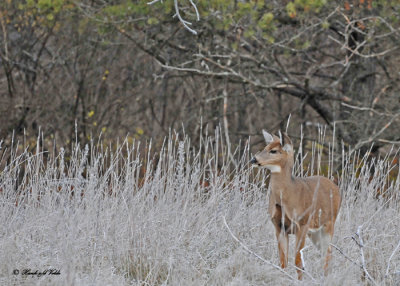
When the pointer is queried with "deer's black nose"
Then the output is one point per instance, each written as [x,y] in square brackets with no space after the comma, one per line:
[253,160]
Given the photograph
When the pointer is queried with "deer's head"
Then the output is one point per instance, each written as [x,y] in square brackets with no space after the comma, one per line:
[278,153]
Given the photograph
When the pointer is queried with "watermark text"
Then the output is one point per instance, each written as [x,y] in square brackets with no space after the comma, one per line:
[36,272]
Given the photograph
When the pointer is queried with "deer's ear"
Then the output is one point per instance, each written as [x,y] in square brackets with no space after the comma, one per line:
[288,145]
[268,137]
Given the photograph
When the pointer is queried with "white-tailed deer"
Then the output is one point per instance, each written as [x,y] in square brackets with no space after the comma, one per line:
[300,206]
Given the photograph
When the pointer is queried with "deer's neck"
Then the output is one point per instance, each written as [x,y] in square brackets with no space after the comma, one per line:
[282,180]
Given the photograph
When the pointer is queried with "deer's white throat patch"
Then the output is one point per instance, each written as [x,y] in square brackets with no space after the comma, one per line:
[273,168]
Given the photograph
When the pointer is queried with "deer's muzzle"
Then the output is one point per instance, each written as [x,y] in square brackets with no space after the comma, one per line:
[253,161]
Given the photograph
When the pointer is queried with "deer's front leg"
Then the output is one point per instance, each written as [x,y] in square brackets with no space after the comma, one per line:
[283,245]
[278,219]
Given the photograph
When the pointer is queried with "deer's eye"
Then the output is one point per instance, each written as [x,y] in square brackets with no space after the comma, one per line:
[273,151]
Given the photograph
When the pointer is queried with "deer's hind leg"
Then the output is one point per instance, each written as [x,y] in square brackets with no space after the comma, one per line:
[322,238]
[329,229]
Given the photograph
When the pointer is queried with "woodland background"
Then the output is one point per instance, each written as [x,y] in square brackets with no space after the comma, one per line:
[78,69]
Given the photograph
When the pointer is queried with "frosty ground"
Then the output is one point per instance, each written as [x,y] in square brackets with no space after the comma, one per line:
[180,215]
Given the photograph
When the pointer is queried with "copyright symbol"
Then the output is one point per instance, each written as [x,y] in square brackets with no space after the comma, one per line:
[15,271]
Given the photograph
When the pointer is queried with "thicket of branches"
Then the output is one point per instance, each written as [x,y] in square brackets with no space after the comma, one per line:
[121,67]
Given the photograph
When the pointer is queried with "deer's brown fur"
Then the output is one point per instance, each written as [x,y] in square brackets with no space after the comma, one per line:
[299,206]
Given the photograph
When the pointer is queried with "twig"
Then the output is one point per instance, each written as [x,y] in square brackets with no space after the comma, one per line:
[185,23]
[226,125]
[195,9]
[302,257]
[153,2]
[178,14]
[390,258]
[346,256]
[360,244]
[363,108]
[388,141]
[375,136]
[355,52]
[255,254]
[287,123]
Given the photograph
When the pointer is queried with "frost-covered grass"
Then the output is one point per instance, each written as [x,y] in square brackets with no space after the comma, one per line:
[179,217]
